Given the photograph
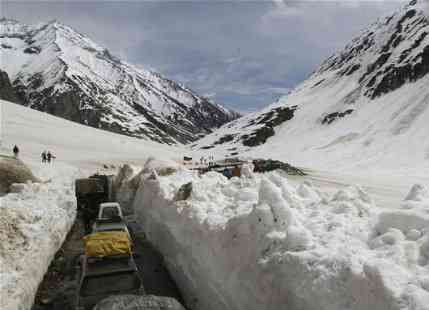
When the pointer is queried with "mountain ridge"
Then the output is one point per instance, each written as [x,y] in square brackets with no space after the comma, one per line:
[366,105]
[55,69]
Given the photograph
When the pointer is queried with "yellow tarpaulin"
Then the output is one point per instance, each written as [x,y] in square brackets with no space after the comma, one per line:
[109,243]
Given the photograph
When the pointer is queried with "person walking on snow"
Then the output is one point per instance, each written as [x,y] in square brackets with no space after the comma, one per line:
[44,157]
[15,151]
[49,157]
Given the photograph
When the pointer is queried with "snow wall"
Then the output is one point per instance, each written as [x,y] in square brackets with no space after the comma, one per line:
[34,222]
[260,243]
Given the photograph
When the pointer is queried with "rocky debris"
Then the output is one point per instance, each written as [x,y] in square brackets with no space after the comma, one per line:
[13,171]
[258,137]
[266,165]
[328,119]
[207,147]
[224,139]
[32,50]
[134,302]
[268,121]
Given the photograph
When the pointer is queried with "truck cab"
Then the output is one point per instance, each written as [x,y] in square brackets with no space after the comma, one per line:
[110,218]
[90,192]
[108,210]
[104,277]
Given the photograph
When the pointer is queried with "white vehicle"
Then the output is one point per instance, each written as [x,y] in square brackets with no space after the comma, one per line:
[109,210]
[110,218]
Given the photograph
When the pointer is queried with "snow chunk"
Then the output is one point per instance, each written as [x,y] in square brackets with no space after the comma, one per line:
[34,222]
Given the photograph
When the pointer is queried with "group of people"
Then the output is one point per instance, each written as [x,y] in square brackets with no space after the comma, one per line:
[210,160]
[47,157]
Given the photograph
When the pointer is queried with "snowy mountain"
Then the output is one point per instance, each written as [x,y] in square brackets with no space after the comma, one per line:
[366,106]
[53,68]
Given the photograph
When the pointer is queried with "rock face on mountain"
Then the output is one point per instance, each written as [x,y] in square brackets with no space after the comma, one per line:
[368,102]
[7,91]
[60,71]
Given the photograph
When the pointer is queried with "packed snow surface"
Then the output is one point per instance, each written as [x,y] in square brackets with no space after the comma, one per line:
[259,242]
[35,131]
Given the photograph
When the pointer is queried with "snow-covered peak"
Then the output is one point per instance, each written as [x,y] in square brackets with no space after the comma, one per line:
[422,5]
[11,27]
[364,107]
[391,52]
[59,70]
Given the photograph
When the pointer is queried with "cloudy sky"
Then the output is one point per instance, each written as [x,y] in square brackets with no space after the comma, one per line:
[243,54]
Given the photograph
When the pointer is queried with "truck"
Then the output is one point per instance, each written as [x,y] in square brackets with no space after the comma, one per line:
[110,218]
[109,210]
[104,277]
[90,193]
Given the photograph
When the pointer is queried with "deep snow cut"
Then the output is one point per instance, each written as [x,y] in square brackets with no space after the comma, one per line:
[261,243]
[34,221]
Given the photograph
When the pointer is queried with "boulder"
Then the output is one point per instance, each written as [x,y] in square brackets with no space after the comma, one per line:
[12,171]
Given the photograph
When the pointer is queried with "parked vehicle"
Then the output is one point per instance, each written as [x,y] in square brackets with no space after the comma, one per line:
[90,193]
[104,277]
[112,224]
[108,210]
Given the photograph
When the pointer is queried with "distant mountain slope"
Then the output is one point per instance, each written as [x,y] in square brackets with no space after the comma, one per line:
[57,70]
[366,105]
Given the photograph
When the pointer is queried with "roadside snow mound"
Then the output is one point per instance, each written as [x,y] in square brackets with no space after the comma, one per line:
[34,222]
[260,243]
[125,186]
[160,166]
[13,171]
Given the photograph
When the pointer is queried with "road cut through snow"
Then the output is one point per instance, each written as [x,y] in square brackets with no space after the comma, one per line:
[36,218]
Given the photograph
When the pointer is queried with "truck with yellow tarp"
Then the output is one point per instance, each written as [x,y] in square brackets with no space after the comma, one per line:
[108,243]
[107,268]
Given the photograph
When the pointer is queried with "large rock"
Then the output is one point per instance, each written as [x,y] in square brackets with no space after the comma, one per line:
[13,171]
[6,89]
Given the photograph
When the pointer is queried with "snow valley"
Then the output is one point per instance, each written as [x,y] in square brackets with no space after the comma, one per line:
[351,233]
[365,109]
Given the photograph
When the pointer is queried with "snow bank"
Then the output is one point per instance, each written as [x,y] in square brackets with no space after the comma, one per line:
[260,243]
[34,222]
